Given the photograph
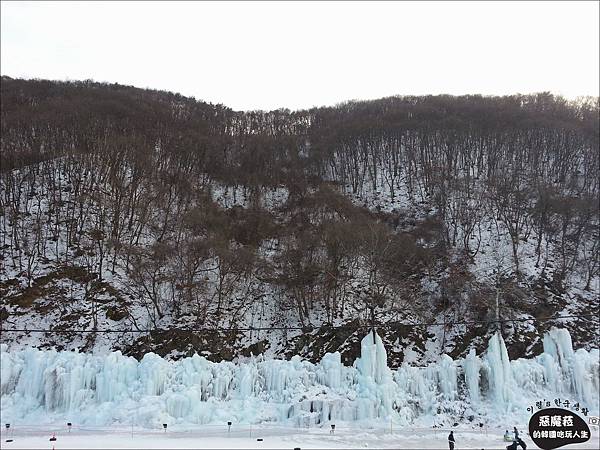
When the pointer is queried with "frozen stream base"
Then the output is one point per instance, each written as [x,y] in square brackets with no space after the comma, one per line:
[40,387]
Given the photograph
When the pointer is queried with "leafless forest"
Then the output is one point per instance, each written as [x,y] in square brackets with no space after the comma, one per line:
[146,211]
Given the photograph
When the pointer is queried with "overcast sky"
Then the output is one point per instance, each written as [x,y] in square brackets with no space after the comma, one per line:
[297,55]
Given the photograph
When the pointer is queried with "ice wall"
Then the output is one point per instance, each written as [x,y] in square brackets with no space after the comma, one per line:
[100,390]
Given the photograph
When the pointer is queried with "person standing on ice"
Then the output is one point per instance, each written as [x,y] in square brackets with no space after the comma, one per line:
[451,440]
[517,440]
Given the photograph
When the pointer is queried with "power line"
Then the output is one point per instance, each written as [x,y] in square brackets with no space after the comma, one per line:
[306,328]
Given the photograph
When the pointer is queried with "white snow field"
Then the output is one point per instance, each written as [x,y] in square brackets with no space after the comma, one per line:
[203,437]
[291,403]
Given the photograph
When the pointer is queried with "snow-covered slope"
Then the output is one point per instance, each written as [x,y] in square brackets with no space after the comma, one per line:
[61,288]
[132,219]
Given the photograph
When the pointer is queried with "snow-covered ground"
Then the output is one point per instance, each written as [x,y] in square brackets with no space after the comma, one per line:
[217,437]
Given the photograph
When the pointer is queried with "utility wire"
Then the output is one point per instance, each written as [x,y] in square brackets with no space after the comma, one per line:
[307,328]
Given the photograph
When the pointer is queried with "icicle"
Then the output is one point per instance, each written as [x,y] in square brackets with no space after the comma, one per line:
[500,374]
[472,366]
[447,377]
[570,371]
[375,383]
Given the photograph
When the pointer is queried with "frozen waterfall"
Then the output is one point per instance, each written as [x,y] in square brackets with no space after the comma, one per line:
[101,390]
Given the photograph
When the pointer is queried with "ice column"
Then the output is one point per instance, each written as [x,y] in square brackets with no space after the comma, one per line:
[471,366]
[500,374]
[376,386]
[447,377]
[570,371]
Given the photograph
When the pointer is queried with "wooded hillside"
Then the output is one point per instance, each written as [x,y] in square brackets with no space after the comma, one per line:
[141,210]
